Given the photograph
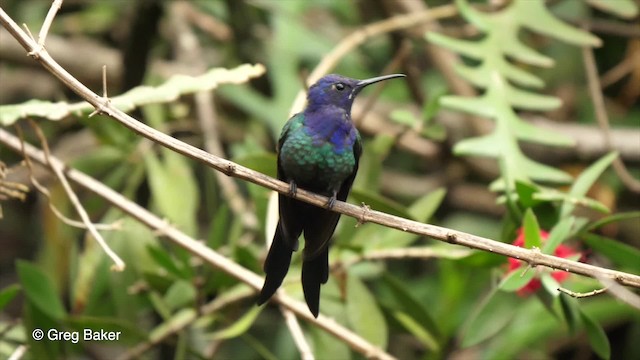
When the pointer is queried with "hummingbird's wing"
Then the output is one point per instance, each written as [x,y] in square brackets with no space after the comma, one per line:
[291,218]
[320,223]
[318,229]
[285,240]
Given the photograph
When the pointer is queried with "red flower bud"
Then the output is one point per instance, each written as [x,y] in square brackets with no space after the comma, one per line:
[563,251]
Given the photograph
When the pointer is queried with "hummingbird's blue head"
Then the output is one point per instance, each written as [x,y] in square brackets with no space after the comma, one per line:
[340,91]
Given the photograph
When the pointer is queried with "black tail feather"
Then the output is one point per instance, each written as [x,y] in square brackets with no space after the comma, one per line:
[314,273]
[276,266]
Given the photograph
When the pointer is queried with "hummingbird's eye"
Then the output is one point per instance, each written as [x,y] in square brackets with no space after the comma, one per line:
[339,86]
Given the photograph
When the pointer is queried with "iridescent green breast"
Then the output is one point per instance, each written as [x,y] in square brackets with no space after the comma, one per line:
[313,162]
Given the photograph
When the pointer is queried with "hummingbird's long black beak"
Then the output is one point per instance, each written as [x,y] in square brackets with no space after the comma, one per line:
[363,83]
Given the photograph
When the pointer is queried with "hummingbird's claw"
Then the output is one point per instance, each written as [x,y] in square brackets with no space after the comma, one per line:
[332,200]
[293,188]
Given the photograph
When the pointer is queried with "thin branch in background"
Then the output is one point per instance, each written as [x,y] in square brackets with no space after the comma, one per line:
[118,264]
[403,52]
[207,23]
[422,253]
[188,47]
[9,189]
[620,292]
[297,334]
[603,119]
[46,25]
[104,81]
[623,68]
[361,35]
[18,353]
[184,321]
[117,225]
[582,295]
[105,96]
[230,190]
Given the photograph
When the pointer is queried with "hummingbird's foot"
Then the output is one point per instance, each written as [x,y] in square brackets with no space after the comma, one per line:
[332,200]
[293,188]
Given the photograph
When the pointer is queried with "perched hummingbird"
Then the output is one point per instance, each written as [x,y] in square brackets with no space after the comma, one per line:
[318,151]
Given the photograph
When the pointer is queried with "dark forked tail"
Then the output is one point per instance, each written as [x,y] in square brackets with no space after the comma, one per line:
[276,266]
[314,273]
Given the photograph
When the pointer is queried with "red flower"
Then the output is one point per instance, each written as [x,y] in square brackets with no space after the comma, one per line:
[562,251]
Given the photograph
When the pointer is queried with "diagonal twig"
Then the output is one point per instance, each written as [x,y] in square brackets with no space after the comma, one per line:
[603,119]
[118,264]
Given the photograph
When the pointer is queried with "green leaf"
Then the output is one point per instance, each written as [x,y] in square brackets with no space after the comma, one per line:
[597,337]
[528,100]
[586,179]
[621,8]
[262,162]
[240,326]
[467,48]
[173,189]
[162,258]
[404,117]
[413,314]
[526,131]
[558,234]
[517,278]
[525,191]
[531,230]
[326,346]
[7,294]
[570,310]
[39,290]
[495,312]
[180,294]
[415,328]
[423,209]
[480,106]
[378,202]
[432,105]
[177,321]
[535,16]
[478,146]
[572,200]
[363,313]
[613,218]
[550,284]
[620,253]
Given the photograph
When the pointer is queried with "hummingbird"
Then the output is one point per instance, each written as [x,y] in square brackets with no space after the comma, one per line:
[318,150]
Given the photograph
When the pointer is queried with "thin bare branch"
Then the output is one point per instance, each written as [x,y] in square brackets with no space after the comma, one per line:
[46,25]
[104,81]
[603,119]
[297,334]
[620,292]
[215,305]
[44,191]
[361,35]
[118,264]
[190,52]
[405,253]
[19,352]
[582,295]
